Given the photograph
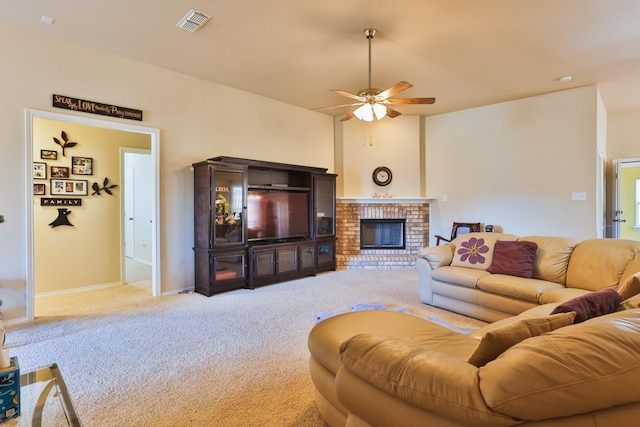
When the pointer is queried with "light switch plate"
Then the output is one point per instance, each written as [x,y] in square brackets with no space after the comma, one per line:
[579,195]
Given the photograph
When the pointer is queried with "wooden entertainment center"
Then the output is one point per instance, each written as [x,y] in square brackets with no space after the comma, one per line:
[257,223]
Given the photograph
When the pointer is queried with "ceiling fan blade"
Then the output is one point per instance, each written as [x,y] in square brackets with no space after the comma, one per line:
[347,117]
[392,113]
[347,94]
[395,89]
[405,101]
[337,106]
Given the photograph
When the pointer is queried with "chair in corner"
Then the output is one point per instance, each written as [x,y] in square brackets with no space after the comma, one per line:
[459,228]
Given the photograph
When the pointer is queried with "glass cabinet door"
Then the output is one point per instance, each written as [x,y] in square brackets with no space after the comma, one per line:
[325,206]
[228,207]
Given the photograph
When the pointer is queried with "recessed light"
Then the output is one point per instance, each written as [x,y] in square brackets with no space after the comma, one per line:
[47,20]
[565,79]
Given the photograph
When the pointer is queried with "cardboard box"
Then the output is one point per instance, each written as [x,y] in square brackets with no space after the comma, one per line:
[10,391]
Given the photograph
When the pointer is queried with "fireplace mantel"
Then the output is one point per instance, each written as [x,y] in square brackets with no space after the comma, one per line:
[391,200]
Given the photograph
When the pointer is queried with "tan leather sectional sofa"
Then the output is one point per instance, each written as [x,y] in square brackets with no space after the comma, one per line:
[387,368]
[563,268]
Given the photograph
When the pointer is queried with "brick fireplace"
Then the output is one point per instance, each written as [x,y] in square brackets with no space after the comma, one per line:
[350,212]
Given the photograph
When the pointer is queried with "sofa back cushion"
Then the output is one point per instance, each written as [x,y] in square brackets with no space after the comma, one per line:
[599,263]
[475,250]
[580,368]
[552,258]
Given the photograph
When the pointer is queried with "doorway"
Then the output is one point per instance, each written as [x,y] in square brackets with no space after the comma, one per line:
[90,200]
[626,215]
[137,214]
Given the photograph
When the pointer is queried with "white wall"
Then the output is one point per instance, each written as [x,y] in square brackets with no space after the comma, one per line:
[197,119]
[516,164]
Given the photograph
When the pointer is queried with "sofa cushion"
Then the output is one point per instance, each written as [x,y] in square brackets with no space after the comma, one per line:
[600,263]
[560,295]
[467,277]
[516,287]
[578,369]
[498,340]
[591,305]
[513,258]
[552,258]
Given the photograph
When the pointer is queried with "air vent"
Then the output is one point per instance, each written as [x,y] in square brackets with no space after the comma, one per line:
[193,21]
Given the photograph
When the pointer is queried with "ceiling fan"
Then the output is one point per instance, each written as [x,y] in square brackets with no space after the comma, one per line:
[375,103]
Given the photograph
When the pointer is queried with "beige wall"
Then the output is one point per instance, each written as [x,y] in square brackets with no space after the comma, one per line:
[89,252]
[623,135]
[516,165]
[394,143]
[197,120]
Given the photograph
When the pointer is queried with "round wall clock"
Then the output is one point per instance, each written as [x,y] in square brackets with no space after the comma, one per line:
[382,175]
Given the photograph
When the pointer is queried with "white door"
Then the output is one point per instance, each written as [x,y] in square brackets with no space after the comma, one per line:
[626,215]
[129,209]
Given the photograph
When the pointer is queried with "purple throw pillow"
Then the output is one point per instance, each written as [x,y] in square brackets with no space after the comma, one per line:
[591,305]
[514,258]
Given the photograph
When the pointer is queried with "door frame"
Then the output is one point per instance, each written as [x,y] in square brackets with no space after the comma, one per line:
[154,133]
[617,197]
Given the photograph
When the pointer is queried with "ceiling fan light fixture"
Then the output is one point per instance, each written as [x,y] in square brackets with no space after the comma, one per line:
[368,112]
[380,111]
[364,112]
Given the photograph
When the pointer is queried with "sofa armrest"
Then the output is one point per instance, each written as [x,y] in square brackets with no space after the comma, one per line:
[427,379]
[437,255]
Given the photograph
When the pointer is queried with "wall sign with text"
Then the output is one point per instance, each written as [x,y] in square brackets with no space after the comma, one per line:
[77,104]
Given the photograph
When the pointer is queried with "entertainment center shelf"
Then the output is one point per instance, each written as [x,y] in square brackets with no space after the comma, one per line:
[257,223]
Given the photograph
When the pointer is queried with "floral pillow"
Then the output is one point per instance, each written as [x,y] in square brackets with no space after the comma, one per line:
[474,251]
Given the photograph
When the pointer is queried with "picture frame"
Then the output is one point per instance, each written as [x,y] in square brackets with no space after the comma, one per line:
[59,172]
[49,154]
[81,165]
[39,189]
[69,187]
[39,170]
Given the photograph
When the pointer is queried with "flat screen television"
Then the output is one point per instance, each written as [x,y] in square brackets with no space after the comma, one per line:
[276,215]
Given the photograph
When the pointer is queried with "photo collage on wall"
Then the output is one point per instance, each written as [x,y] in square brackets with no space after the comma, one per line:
[65,179]
[59,177]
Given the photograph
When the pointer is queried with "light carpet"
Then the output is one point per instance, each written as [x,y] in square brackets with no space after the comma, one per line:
[235,359]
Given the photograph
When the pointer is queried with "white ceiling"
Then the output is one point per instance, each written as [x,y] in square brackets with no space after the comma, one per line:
[466,53]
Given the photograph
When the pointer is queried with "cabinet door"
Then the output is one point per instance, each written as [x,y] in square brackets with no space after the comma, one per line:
[287,260]
[324,205]
[264,262]
[229,266]
[326,255]
[307,256]
[228,207]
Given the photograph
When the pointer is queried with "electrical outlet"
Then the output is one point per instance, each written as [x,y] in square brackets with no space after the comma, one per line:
[579,195]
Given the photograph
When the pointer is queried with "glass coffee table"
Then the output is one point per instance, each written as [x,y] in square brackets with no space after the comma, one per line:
[44,400]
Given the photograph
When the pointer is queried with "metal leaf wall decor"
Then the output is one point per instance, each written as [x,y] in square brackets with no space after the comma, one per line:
[65,143]
[106,187]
